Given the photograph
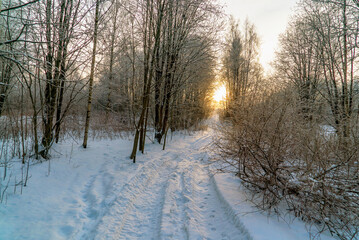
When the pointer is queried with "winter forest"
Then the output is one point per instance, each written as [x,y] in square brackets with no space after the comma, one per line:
[156,119]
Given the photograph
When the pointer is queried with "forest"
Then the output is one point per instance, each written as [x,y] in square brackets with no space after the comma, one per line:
[148,69]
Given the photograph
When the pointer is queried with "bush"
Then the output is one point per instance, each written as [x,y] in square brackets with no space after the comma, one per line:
[281,157]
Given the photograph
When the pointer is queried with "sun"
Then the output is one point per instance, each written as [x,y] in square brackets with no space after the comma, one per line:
[220,94]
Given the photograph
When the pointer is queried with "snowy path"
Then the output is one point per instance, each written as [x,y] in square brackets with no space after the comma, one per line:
[170,197]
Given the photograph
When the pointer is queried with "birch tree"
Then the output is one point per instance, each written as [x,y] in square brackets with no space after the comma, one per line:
[92,73]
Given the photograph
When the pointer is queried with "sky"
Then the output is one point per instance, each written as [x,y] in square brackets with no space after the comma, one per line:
[270,18]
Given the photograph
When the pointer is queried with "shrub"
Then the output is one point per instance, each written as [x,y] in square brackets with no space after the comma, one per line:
[281,157]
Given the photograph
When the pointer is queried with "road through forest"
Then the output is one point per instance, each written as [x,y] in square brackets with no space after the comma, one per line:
[171,196]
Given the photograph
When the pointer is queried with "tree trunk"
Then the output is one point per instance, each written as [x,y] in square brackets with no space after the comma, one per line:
[89,101]
[110,80]
[50,89]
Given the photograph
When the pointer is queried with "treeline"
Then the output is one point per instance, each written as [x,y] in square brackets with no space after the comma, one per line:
[71,67]
[292,137]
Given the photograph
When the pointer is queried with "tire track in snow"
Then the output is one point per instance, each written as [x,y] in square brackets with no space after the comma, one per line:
[222,202]
[138,203]
[109,197]
[192,209]
[210,215]
[209,219]
[229,210]
[174,222]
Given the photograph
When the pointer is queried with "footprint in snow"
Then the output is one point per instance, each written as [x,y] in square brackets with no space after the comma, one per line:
[67,230]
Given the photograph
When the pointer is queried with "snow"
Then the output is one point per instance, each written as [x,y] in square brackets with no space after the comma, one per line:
[98,193]
[260,225]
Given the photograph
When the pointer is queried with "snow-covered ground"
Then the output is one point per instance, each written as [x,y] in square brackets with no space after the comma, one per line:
[98,193]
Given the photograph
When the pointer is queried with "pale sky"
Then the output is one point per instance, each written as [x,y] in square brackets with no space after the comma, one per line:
[270,18]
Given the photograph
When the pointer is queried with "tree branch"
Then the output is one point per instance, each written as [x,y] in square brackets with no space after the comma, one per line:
[14,40]
[18,6]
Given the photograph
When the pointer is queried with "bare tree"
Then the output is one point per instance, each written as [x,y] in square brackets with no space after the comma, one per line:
[93,62]
[298,62]
[240,61]
[336,46]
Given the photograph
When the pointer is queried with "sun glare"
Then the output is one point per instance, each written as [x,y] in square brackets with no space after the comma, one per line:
[220,94]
